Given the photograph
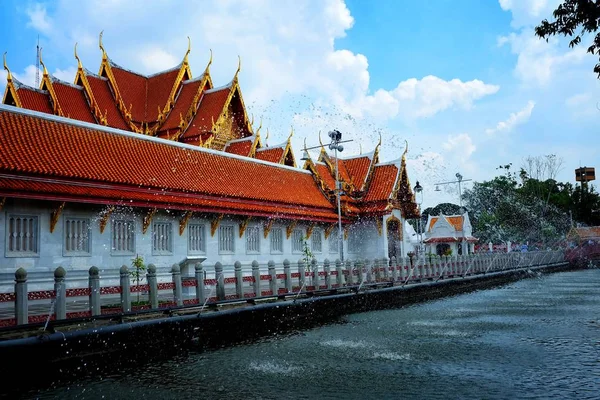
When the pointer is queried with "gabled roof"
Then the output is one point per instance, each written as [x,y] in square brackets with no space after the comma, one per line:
[106,103]
[358,169]
[455,221]
[122,162]
[72,101]
[210,108]
[184,101]
[272,154]
[382,184]
[31,98]
[241,147]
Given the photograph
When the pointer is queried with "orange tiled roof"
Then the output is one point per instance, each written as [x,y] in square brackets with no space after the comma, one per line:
[241,147]
[432,222]
[271,154]
[358,168]
[456,221]
[211,106]
[586,233]
[158,90]
[182,103]
[106,102]
[34,99]
[132,88]
[382,183]
[139,163]
[72,101]
[325,174]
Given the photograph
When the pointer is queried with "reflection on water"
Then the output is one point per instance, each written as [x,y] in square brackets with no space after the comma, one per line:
[537,338]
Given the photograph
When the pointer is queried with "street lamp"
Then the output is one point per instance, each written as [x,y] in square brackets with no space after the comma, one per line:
[336,139]
[419,198]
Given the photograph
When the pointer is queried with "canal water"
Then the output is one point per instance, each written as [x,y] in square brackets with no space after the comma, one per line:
[537,338]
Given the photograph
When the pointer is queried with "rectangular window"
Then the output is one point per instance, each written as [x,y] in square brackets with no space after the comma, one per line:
[334,242]
[276,240]
[77,236]
[297,241]
[317,244]
[196,238]
[226,239]
[22,236]
[354,242]
[123,237]
[162,238]
[252,239]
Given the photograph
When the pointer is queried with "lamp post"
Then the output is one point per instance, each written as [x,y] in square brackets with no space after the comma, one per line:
[336,139]
[459,180]
[419,191]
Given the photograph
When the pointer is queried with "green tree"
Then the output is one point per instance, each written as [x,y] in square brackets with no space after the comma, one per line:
[137,273]
[574,19]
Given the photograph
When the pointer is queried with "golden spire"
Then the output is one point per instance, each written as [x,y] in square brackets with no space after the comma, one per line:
[79,65]
[321,143]
[43,65]
[235,77]
[405,150]
[209,63]
[104,56]
[259,126]
[9,76]
[291,133]
[267,138]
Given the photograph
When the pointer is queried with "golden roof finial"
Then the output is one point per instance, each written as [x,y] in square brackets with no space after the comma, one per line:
[104,56]
[291,133]
[187,53]
[79,66]
[252,122]
[321,143]
[267,137]
[209,62]
[238,68]
[405,150]
[9,76]
[259,126]
[42,63]
[360,148]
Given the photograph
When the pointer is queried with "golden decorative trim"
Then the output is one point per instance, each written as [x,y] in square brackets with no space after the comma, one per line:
[47,83]
[10,87]
[104,56]
[309,230]
[379,225]
[54,215]
[105,216]
[80,76]
[243,226]
[290,229]
[214,224]
[267,227]
[328,230]
[184,221]
[148,220]
[391,219]
[346,233]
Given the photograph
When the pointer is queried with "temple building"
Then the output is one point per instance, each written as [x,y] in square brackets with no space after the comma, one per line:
[449,235]
[170,167]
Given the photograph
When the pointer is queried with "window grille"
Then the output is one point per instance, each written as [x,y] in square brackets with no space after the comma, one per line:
[196,238]
[226,239]
[277,240]
[77,236]
[123,236]
[297,241]
[317,244]
[354,242]
[334,242]
[253,239]
[22,235]
[162,242]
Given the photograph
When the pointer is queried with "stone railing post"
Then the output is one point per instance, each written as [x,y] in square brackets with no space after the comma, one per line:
[339,279]
[176,272]
[394,269]
[386,268]
[273,286]
[220,281]
[94,284]
[21,298]
[125,289]
[256,278]
[302,274]
[314,267]
[350,276]
[152,286]
[402,264]
[60,293]
[200,288]
[369,269]
[377,268]
[359,265]
[327,269]
[287,271]
[239,280]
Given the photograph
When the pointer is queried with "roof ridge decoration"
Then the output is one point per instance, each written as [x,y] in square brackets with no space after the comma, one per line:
[364,186]
[105,66]
[81,76]
[288,149]
[47,82]
[10,86]
[184,68]
[256,142]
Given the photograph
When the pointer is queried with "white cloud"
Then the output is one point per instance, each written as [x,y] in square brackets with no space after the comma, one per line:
[528,12]
[156,59]
[460,145]
[583,105]
[67,75]
[513,120]
[38,18]
[578,100]
[28,75]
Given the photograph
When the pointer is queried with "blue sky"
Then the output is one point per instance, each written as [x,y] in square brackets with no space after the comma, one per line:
[466,83]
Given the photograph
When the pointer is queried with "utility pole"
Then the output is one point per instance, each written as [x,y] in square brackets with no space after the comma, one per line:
[37,64]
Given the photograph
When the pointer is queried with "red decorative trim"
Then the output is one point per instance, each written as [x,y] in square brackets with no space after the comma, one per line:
[265,277]
[249,295]
[266,293]
[295,274]
[139,288]
[323,287]
[109,290]
[79,292]
[166,286]
[247,279]
[321,273]
[281,291]
[189,283]
[40,295]
[40,318]
[8,322]
[280,276]
[106,311]
[6,297]
[333,273]
[144,307]
[190,302]
[210,282]
[231,297]
[230,280]
[310,288]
